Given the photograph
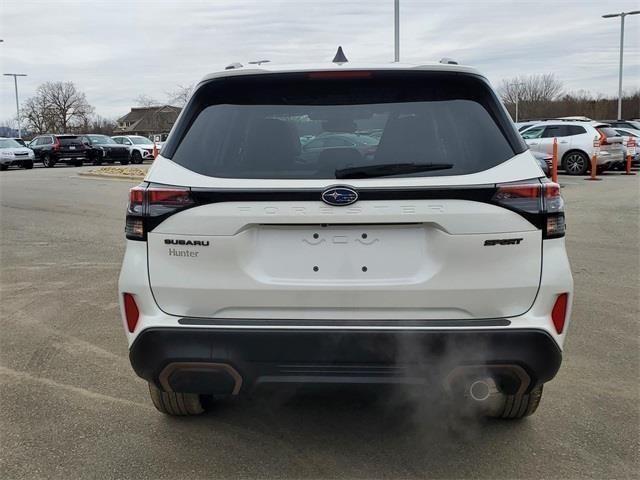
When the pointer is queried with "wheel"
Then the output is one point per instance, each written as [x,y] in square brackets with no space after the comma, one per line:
[96,160]
[124,161]
[136,157]
[576,163]
[47,161]
[520,406]
[28,164]
[3,167]
[172,403]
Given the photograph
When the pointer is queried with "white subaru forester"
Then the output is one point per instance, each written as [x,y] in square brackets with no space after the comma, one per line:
[341,224]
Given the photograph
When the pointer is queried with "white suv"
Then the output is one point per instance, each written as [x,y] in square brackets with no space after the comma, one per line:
[576,144]
[140,148]
[439,257]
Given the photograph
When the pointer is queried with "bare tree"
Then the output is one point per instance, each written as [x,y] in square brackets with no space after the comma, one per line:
[56,107]
[531,92]
[144,100]
[10,122]
[37,116]
[180,95]
[530,88]
[66,104]
[98,124]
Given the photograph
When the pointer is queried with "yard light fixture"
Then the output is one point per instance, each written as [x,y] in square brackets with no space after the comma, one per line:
[15,81]
[621,15]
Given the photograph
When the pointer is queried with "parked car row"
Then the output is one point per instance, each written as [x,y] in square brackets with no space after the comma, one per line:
[75,150]
[575,141]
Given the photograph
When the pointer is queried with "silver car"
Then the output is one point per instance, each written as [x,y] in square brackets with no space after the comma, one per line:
[13,153]
[576,144]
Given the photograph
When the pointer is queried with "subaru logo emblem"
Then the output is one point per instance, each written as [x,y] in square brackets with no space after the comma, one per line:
[339,196]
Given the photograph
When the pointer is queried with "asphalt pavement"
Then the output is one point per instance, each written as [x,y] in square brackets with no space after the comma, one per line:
[71,406]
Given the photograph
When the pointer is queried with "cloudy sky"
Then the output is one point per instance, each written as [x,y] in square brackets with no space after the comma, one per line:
[115,50]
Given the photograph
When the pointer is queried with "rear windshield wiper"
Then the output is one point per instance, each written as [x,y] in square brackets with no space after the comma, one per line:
[387,169]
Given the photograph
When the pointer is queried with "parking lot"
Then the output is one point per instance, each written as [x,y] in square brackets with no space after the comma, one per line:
[73,408]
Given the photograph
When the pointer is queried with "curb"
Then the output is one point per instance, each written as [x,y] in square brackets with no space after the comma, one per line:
[111,176]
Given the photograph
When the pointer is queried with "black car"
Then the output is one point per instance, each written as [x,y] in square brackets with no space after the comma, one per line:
[51,149]
[102,148]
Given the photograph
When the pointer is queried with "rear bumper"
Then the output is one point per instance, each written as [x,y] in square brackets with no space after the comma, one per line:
[232,361]
[609,158]
[68,157]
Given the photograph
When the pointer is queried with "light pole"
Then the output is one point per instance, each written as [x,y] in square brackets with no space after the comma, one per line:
[517,85]
[621,15]
[396,30]
[15,82]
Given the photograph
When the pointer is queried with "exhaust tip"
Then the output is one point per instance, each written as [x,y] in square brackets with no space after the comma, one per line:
[480,390]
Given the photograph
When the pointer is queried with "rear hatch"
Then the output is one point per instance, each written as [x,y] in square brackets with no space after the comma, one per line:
[70,146]
[610,141]
[252,228]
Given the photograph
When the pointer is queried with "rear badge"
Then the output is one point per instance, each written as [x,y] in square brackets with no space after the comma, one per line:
[339,196]
[503,241]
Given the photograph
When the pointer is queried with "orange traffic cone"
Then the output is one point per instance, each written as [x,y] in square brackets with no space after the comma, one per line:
[155,150]
[594,161]
[631,151]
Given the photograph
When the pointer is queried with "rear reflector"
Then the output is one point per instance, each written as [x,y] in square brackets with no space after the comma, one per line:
[130,311]
[559,312]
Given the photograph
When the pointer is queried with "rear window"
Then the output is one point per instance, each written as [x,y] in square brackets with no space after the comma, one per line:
[141,141]
[299,126]
[69,140]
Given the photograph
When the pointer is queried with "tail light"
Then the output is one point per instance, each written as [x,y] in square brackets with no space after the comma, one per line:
[539,202]
[56,145]
[559,312]
[131,312]
[149,205]
[603,137]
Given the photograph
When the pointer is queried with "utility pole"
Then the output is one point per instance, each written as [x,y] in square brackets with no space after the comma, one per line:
[396,30]
[517,85]
[621,15]
[15,82]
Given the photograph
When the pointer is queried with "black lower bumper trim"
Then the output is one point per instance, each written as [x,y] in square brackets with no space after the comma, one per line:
[332,356]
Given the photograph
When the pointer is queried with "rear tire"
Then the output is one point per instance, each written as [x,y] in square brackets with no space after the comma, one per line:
[520,406]
[3,167]
[28,164]
[47,161]
[177,404]
[136,157]
[576,163]
[124,162]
